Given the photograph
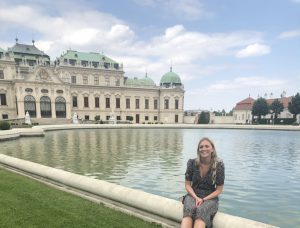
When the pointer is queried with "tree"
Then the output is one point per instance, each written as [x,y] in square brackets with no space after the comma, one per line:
[203,118]
[260,108]
[276,107]
[294,105]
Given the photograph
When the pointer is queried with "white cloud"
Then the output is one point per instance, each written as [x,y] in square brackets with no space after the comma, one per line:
[290,34]
[253,50]
[246,82]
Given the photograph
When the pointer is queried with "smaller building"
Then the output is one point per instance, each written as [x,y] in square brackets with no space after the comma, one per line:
[242,113]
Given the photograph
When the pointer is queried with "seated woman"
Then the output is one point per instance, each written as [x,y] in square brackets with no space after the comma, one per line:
[204,180]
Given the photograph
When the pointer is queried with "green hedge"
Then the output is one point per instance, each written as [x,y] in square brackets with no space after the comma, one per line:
[278,121]
[4,125]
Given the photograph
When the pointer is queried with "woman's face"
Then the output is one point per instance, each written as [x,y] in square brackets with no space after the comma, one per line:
[205,149]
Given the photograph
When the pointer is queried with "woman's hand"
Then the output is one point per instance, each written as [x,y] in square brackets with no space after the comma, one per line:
[198,201]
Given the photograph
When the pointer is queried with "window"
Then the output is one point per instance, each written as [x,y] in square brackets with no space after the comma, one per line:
[107,102]
[86,102]
[74,101]
[118,102]
[72,62]
[29,105]
[4,116]
[146,118]
[107,117]
[85,79]
[1,74]
[176,104]
[146,103]
[45,105]
[128,103]
[3,99]
[86,117]
[166,104]
[155,118]
[97,104]
[60,107]
[118,117]
[137,103]
[155,104]
[176,118]
[96,80]
[95,64]
[118,82]
[73,79]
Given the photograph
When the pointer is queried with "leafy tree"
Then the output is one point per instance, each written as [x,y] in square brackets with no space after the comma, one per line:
[260,108]
[97,117]
[294,105]
[276,107]
[203,118]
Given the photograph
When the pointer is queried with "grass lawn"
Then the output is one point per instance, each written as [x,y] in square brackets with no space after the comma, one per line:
[28,203]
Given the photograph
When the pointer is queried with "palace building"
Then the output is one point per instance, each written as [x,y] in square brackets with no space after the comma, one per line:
[88,84]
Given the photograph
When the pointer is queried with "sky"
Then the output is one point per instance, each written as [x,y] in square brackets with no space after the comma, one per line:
[223,51]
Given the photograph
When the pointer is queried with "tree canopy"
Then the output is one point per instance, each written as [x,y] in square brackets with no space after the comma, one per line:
[204,118]
[276,107]
[294,105]
[260,107]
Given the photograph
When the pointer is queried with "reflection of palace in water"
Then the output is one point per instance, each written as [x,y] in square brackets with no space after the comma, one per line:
[101,152]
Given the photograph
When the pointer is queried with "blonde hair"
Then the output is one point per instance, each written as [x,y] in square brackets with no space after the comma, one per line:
[213,161]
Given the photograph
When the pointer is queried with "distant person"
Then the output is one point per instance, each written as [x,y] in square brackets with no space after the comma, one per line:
[204,180]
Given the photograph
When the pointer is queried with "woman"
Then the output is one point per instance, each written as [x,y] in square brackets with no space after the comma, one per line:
[204,180]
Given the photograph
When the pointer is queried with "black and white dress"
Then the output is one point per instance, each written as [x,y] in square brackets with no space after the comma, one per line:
[203,186]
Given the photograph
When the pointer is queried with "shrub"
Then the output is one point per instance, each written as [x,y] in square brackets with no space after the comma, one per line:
[4,125]
[97,117]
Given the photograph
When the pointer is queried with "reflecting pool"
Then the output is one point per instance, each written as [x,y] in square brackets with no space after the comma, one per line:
[262,167]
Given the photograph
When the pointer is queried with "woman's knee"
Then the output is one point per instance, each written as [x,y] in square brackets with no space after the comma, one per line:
[199,223]
[187,222]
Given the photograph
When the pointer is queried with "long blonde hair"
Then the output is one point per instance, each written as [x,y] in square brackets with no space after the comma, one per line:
[213,161]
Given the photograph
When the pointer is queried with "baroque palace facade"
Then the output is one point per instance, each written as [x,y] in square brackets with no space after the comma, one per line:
[88,84]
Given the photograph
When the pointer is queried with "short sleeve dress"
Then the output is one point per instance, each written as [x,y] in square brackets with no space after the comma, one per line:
[203,187]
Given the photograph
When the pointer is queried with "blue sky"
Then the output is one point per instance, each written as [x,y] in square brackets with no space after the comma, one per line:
[222,50]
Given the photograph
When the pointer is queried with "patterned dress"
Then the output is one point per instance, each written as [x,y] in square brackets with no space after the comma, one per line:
[202,187]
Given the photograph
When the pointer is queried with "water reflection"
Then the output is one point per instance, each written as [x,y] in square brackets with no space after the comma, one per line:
[260,165]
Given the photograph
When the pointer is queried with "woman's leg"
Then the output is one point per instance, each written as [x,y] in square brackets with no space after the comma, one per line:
[187,222]
[199,223]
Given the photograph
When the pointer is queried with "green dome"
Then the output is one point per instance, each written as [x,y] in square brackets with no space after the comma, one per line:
[132,82]
[143,82]
[170,78]
[146,81]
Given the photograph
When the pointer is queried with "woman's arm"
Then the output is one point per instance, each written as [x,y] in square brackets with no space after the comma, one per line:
[190,190]
[215,193]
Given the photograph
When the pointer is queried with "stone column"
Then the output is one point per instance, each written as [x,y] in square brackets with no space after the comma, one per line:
[53,112]
[68,110]
[21,111]
[38,109]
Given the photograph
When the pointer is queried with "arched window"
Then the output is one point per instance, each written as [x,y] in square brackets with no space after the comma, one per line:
[60,107]
[29,105]
[45,107]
